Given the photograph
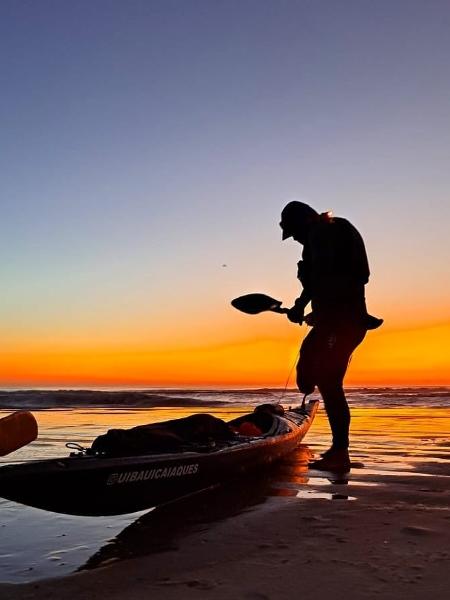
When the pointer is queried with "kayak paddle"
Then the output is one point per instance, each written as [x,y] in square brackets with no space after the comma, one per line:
[253,304]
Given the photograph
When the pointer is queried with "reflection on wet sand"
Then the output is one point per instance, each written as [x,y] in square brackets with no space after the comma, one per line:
[159,530]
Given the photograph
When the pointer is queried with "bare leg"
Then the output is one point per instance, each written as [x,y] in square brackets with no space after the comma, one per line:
[338,414]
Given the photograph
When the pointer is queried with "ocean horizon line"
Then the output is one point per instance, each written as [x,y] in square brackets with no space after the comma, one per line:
[206,388]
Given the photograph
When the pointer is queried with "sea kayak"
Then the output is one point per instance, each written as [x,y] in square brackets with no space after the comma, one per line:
[84,484]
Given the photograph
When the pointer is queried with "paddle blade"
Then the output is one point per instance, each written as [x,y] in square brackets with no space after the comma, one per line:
[252,304]
[17,430]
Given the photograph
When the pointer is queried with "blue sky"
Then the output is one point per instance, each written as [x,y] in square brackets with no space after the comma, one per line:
[146,144]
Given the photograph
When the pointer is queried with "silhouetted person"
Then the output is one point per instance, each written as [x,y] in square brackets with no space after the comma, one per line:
[333,272]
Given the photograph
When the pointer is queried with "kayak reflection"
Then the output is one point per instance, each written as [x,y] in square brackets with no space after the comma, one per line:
[161,529]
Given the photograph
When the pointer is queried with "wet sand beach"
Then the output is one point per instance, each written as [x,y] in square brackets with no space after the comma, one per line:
[392,541]
[383,531]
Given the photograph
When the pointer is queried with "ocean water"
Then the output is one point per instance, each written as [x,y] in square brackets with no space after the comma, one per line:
[400,434]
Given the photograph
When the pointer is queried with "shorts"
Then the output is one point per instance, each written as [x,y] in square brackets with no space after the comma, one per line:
[325,354]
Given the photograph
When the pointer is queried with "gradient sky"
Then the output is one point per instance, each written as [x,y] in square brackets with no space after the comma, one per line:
[145,144]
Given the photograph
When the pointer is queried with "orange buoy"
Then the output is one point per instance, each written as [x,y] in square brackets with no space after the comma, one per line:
[17,430]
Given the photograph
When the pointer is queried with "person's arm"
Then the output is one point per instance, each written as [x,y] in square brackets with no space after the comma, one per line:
[317,274]
[296,313]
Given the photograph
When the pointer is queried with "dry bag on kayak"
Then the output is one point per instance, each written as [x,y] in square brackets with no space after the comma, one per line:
[169,436]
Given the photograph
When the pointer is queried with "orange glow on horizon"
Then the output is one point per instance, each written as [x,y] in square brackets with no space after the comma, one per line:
[387,357]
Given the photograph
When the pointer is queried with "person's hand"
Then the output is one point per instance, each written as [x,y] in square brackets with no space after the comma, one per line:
[295,314]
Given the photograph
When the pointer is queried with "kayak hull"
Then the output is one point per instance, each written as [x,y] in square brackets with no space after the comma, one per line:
[94,486]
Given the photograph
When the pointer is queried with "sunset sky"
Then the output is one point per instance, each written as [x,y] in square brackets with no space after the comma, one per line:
[147,149]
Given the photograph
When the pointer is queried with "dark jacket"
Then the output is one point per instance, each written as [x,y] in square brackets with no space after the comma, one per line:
[333,271]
